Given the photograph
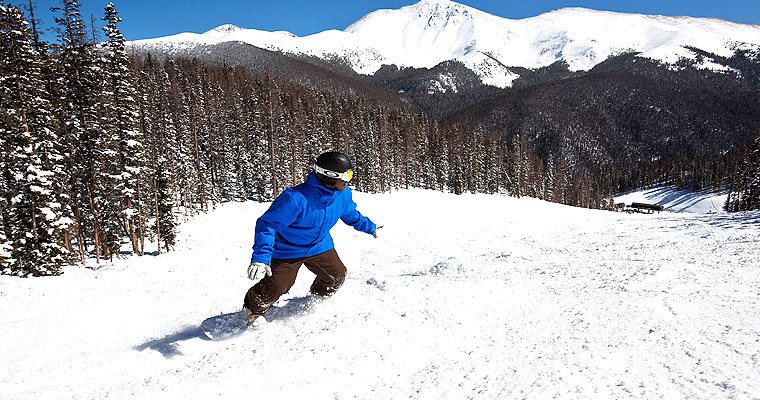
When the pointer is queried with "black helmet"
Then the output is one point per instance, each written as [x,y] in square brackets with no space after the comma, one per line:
[333,165]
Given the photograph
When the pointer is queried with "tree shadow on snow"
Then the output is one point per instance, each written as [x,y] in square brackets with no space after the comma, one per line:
[678,200]
[737,221]
[169,346]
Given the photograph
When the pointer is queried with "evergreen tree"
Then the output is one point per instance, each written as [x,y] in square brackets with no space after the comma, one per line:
[80,129]
[173,90]
[753,168]
[259,149]
[200,133]
[165,225]
[6,259]
[34,222]
[514,167]
[549,180]
[441,156]
[228,163]
[121,123]
[745,191]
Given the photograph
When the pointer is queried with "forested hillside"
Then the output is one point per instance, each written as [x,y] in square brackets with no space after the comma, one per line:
[630,115]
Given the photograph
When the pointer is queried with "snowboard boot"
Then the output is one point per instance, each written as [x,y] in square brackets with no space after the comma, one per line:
[251,317]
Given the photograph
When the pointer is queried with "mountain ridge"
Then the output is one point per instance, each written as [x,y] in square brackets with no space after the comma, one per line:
[429,32]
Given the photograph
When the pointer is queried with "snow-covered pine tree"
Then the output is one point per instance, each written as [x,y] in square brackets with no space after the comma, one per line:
[746,194]
[372,162]
[754,168]
[200,132]
[121,123]
[562,183]
[281,101]
[6,259]
[400,147]
[246,169]
[144,194]
[210,134]
[258,124]
[80,130]
[301,163]
[494,163]
[105,200]
[322,138]
[6,159]
[549,184]
[165,225]
[33,220]
[473,155]
[227,117]
[425,168]
[315,130]
[233,147]
[172,94]
[164,149]
[272,101]
[485,162]
[382,181]
[363,141]
[515,167]
[457,180]
[440,149]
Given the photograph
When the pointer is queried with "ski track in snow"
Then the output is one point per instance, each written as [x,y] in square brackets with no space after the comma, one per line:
[472,296]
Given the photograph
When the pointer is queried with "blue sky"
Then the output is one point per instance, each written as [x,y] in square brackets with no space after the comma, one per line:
[154,18]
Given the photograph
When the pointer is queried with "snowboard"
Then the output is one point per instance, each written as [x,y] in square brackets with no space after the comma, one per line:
[225,326]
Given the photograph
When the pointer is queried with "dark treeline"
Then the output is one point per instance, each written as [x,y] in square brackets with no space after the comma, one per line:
[229,135]
[102,151]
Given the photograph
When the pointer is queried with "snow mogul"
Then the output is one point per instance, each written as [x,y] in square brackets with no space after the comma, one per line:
[295,231]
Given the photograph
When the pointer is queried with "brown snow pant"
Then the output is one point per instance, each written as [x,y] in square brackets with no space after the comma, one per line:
[327,266]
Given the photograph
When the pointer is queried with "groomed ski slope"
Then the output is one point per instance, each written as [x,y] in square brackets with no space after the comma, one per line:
[461,297]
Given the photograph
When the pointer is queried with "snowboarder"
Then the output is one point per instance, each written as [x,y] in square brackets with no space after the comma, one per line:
[295,231]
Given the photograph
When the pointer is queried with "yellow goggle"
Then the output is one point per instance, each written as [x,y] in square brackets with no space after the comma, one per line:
[344,176]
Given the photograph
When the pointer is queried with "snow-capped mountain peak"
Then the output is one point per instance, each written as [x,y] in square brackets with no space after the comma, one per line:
[429,32]
[222,30]
[420,35]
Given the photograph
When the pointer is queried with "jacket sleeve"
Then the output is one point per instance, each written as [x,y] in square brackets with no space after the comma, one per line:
[354,218]
[283,211]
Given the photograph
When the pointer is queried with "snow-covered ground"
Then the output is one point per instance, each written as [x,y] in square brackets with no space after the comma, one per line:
[472,296]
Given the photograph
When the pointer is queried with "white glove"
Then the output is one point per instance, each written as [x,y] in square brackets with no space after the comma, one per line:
[257,271]
[376,228]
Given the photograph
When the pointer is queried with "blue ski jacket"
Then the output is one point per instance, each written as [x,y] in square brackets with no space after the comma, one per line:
[298,222]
